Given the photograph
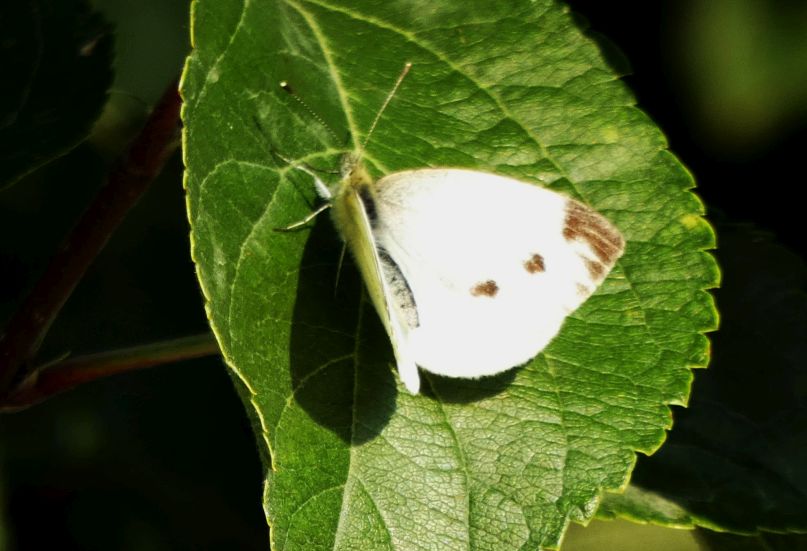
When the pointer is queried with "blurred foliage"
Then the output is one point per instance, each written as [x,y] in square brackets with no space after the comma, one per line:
[161,459]
[57,69]
[151,42]
[742,62]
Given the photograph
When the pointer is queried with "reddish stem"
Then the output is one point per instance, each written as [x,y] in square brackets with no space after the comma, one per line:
[126,183]
[67,374]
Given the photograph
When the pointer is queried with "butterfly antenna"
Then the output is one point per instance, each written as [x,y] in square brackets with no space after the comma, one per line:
[288,89]
[392,92]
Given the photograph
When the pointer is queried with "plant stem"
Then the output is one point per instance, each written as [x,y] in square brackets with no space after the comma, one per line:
[71,372]
[127,181]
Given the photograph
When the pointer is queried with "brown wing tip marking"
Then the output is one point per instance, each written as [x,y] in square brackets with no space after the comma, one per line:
[595,269]
[485,289]
[583,291]
[535,264]
[584,224]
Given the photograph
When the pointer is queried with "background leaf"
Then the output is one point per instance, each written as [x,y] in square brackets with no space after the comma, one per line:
[735,461]
[503,462]
[49,45]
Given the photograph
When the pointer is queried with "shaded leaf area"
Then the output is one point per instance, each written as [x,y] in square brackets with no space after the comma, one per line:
[57,68]
[623,535]
[764,541]
[353,460]
[737,459]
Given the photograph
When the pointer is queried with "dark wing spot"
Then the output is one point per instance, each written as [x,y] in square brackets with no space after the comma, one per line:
[485,289]
[535,264]
[595,269]
[584,224]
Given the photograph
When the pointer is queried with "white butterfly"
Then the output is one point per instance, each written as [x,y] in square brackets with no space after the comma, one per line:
[472,273]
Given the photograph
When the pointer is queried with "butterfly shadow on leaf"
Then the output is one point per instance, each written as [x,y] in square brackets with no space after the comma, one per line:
[340,356]
[465,391]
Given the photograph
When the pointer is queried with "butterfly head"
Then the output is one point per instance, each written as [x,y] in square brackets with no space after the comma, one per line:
[353,170]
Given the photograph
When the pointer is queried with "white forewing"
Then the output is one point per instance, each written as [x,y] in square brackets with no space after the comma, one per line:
[494,265]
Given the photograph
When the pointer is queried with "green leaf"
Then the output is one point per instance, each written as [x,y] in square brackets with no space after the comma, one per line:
[644,506]
[628,536]
[622,535]
[353,460]
[736,458]
[57,67]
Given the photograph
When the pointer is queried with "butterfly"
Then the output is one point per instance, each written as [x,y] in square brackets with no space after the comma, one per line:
[472,273]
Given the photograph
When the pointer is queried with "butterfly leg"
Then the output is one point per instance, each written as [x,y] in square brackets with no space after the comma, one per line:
[305,220]
[321,187]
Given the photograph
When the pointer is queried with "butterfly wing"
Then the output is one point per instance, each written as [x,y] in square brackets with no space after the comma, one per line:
[354,216]
[494,265]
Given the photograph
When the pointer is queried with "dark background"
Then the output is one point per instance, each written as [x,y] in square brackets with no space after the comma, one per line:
[726,81]
[165,458]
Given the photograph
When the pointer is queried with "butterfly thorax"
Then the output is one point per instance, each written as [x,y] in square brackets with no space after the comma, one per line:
[353,197]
